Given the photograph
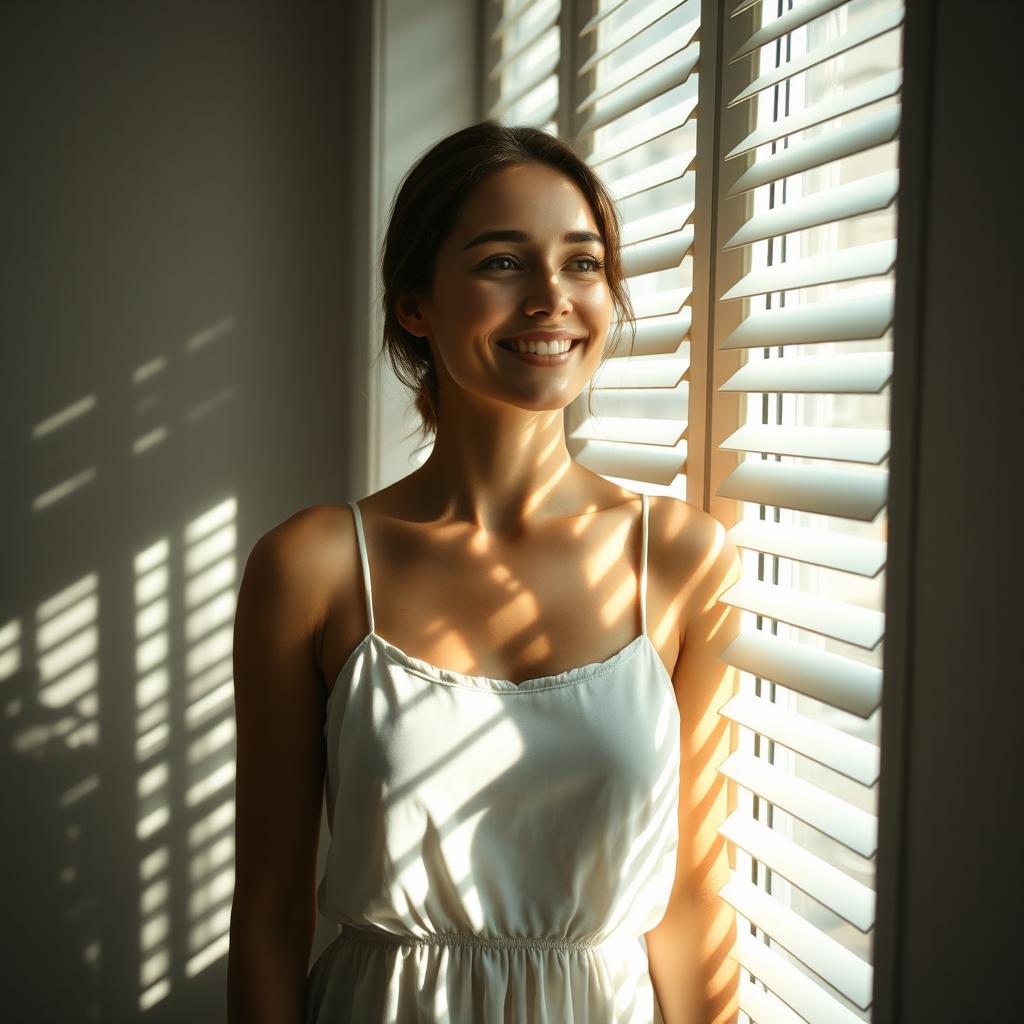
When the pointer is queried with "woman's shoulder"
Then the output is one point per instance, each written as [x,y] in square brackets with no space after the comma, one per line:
[308,534]
[685,537]
[309,552]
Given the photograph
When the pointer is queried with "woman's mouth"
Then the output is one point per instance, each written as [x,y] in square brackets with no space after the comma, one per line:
[536,358]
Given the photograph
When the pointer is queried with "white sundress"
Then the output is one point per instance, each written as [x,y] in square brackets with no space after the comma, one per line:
[497,850]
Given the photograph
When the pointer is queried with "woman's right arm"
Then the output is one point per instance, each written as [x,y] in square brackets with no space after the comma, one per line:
[279,715]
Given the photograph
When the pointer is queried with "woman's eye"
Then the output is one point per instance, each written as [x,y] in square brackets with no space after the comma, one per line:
[594,264]
[490,264]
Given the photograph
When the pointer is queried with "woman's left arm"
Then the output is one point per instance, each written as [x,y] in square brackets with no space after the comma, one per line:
[695,979]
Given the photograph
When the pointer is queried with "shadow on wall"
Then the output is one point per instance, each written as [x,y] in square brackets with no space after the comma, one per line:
[175,372]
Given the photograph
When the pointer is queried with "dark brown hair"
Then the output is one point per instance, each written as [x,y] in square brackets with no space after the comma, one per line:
[424,212]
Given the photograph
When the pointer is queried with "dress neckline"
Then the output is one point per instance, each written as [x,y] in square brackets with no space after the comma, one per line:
[450,677]
[466,680]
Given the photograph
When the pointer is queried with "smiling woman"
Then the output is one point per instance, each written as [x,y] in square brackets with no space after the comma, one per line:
[465,659]
[450,240]
[540,285]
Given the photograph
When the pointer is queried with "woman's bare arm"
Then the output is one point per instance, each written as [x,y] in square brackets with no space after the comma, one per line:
[695,979]
[279,712]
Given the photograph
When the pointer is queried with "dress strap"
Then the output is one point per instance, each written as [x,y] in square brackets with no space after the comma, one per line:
[361,540]
[643,570]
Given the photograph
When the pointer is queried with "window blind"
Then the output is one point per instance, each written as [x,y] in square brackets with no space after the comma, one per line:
[523,47]
[751,148]
[621,85]
[807,168]
[634,120]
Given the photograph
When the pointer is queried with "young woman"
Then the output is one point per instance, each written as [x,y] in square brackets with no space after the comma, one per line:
[503,666]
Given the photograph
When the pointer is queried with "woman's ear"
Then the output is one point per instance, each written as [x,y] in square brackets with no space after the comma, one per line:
[410,316]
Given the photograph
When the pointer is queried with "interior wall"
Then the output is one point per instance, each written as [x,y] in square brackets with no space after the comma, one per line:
[949,894]
[427,82]
[180,197]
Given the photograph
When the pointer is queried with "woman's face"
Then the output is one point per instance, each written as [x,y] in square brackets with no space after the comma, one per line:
[523,259]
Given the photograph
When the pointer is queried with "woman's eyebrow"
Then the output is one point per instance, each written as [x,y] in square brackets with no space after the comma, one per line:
[511,235]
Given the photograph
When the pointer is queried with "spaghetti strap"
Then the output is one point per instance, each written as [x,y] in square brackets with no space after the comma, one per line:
[643,571]
[361,539]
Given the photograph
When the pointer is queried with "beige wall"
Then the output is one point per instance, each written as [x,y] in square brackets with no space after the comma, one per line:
[179,190]
[427,89]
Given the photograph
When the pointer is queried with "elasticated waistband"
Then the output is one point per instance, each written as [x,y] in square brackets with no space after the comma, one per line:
[351,934]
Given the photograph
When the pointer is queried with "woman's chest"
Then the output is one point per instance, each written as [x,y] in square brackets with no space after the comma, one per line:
[568,598]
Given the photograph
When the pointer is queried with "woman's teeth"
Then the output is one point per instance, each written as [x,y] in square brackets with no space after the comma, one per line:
[541,348]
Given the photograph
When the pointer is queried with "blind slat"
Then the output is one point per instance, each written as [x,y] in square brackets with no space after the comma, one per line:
[633,430]
[837,105]
[792,19]
[855,758]
[648,16]
[515,14]
[657,335]
[831,678]
[851,900]
[673,70]
[849,493]
[656,254]
[833,48]
[537,76]
[649,129]
[671,219]
[872,130]
[863,627]
[666,50]
[842,821]
[523,47]
[824,207]
[650,177]
[647,463]
[860,373]
[844,444]
[812,545]
[790,984]
[829,959]
[845,320]
[606,11]
[642,371]
[641,403]
[660,303]
[764,1007]
[871,260]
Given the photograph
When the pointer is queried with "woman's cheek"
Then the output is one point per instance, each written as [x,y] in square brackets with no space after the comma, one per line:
[488,304]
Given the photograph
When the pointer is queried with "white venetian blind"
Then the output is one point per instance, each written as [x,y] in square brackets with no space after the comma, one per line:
[622,86]
[817,180]
[798,169]
[635,124]
[523,42]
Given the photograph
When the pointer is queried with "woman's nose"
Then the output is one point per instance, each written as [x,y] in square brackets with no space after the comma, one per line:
[547,295]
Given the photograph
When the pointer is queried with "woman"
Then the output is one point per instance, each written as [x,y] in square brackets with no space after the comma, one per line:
[504,665]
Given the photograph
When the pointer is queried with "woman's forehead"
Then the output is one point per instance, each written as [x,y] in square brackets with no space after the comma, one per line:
[532,197]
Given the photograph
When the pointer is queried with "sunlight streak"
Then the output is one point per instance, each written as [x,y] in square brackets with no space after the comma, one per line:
[145,442]
[64,416]
[153,785]
[10,649]
[64,489]
[210,591]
